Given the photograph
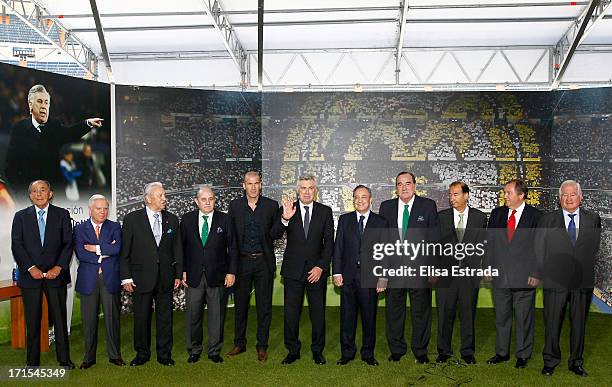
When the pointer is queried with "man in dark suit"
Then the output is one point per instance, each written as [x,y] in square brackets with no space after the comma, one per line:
[510,251]
[151,266]
[310,244]
[42,247]
[97,242]
[416,219]
[566,246]
[210,265]
[35,143]
[253,217]
[355,230]
[460,225]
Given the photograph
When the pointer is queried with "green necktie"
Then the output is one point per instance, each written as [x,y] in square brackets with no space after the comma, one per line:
[405,219]
[204,233]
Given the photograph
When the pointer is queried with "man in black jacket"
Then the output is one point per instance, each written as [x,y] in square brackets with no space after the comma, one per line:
[210,265]
[510,251]
[253,217]
[416,219]
[460,226]
[35,143]
[357,232]
[42,247]
[151,267]
[566,246]
[310,244]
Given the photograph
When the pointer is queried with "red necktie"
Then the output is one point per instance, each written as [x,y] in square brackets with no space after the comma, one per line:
[511,226]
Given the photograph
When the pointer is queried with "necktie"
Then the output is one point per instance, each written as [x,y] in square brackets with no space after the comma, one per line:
[460,228]
[511,226]
[157,233]
[361,219]
[571,229]
[41,226]
[98,238]
[306,221]
[405,219]
[204,232]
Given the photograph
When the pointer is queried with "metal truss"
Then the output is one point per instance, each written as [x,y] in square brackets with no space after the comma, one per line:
[227,33]
[38,19]
[403,13]
[565,48]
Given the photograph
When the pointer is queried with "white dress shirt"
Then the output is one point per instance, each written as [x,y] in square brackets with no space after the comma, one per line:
[400,211]
[365,221]
[465,213]
[566,219]
[517,216]
[46,210]
[302,212]
[201,221]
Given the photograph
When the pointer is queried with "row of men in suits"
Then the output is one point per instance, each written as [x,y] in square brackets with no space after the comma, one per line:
[208,249]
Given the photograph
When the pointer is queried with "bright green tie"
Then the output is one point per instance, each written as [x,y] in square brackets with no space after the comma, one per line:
[204,230]
[405,220]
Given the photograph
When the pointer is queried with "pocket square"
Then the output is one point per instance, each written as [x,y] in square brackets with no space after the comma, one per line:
[169,231]
[421,218]
[219,230]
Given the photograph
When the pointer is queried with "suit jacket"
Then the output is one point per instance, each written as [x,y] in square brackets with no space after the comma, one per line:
[110,244]
[28,250]
[266,212]
[562,265]
[423,225]
[301,253]
[215,259]
[140,257]
[474,233]
[33,155]
[350,247]
[516,259]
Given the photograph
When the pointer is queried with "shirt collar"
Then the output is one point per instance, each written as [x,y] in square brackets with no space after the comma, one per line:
[306,205]
[465,211]
[150,212]
[35,124]
[94,224]
[46,209]
[367,215]
[246,201]
[566,212]
[410,202]
[210,215]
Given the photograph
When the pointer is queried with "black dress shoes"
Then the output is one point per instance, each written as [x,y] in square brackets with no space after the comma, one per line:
[422,359]
[370,361]
[521,362]
[86,364]
[290,358]
[442,358]
[67,364]
[395,357]
[194,358]
[118,362]
[318,358]
[548,371]
[469,359]
[343,360]
[138,362]
[215,358]
[165,362]
[498,359]
[578,370]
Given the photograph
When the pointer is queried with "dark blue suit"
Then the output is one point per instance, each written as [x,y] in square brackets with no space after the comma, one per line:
[87,276]
[351,250]
[99,282]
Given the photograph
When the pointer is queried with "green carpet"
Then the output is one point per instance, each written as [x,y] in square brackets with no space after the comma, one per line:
[244,370]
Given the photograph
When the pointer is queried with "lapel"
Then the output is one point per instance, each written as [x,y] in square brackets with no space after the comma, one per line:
[354,225]
[144,219]
[298,218]
[470,225]
[414,211]
[33,222]
[525,217]
[89,228]
[51,222]
[448,222]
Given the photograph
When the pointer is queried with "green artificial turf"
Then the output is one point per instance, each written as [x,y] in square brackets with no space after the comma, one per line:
[244,370]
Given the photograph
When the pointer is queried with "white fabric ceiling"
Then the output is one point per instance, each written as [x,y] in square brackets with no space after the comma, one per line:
[337,24]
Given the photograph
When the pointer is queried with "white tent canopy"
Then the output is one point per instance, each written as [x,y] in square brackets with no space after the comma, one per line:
[315,44]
